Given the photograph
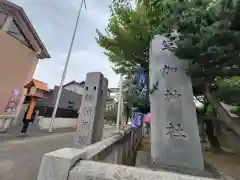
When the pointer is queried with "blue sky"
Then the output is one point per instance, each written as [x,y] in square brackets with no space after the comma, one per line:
[54,21]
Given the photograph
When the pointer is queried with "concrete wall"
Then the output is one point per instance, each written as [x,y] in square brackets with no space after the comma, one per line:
[120,148]
[66,98]
[17,65]
[43,123]
[58,123]
[47,101]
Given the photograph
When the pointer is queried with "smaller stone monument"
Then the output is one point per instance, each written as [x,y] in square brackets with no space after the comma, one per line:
[91,116]
[99,123]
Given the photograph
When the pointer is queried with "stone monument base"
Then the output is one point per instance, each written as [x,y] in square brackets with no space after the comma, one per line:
[143,160]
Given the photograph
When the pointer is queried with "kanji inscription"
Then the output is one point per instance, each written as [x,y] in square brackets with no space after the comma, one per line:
[176,131]
[168,45]
[171,95]
[167,69]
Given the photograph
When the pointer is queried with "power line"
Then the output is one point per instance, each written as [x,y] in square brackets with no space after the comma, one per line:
[83,2]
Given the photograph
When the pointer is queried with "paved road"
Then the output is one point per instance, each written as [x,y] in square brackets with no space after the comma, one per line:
[20,159]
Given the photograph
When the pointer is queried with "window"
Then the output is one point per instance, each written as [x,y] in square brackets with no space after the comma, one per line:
[70,107]
[70,102]
[16,32]
[3,17]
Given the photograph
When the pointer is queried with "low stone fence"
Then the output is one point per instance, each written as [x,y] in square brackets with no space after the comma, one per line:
[120,148]
[109,159]
[92,170]
[5,121]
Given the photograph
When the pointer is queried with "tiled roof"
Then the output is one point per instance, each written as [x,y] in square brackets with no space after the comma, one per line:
[75,82]
[38,84]
[26,26]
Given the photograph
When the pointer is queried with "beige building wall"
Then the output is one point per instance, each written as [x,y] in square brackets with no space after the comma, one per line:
[17,65]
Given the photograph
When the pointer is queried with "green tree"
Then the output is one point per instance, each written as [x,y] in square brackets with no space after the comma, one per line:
[127,39]
[207,37]
[110,114]
[126,43]
[206,33]
[228,90]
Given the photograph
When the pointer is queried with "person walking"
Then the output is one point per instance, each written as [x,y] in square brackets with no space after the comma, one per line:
[27,120]
[147,122]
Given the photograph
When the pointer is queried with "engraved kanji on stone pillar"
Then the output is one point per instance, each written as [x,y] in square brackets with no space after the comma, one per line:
[91,117]
[174,131]
[99,124]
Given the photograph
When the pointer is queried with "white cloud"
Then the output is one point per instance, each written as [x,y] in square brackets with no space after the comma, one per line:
[81,62]
[55,27]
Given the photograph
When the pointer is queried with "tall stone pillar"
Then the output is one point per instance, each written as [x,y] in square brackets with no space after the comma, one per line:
[91,116]
[175,138]
[99,124]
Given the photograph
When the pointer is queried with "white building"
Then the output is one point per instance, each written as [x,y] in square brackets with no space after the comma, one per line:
[75,86]
[114,93]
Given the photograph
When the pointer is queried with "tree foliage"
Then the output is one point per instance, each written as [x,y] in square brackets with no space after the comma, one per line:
[126,40]
[110,114]
[132,95]
[228,90]
[126,43]
[206,32]
[206,36]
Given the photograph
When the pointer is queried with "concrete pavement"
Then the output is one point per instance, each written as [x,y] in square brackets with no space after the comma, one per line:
[14,136]
[8,136]
[20,159]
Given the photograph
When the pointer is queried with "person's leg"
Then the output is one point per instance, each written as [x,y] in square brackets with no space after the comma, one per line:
[147,124]
[27,123]
[145,128]
[149,128]
[25,126]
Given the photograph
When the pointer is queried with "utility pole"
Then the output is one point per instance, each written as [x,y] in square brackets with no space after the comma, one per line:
[83,2]
[120,106]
